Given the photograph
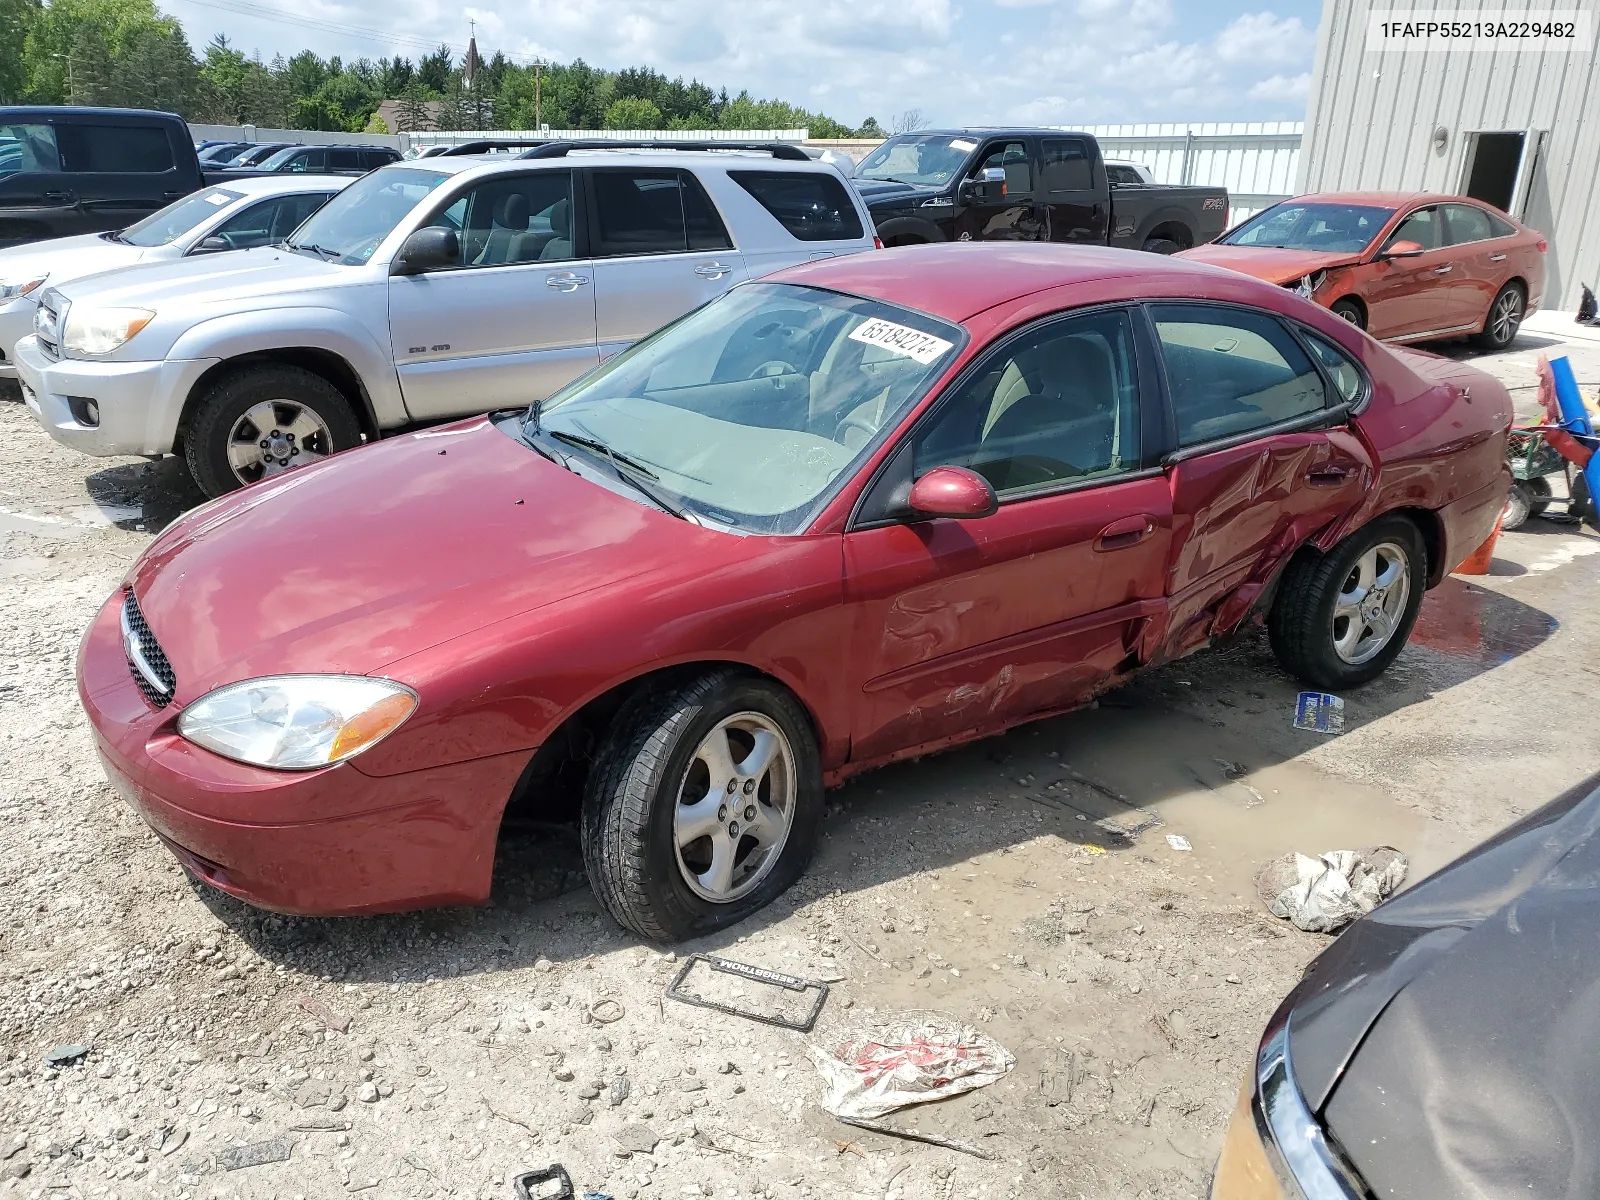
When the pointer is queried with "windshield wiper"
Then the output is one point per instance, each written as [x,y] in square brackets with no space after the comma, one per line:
[322,251]
[629,471]
[590,443]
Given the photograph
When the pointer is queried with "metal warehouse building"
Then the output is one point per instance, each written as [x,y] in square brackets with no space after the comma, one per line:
[1516,128]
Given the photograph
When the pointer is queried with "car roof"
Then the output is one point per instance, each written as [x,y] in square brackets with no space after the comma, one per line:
[490,164]
[1386,199]
[958,280]
[15,112]
[284,185]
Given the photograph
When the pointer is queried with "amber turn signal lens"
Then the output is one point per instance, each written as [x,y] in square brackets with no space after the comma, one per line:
[367,727]
[1244,1171]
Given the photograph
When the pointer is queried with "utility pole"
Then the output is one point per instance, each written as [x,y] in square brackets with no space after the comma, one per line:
[538,111]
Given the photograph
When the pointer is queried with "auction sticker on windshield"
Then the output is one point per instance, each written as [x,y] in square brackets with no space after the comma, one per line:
[900,339]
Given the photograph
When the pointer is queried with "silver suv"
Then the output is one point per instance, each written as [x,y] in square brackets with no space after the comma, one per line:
[425,290]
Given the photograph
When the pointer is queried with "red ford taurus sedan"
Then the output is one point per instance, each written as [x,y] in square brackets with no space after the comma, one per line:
[1405,266]
[859,511]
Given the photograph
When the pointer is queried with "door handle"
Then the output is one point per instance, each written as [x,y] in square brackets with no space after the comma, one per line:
[1125,532]
[1331,475]
[61,197]
[712,270]
[1497,258]
[1444,270]
[566,281]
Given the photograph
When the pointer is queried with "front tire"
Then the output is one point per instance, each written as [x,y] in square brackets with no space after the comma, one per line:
[1350,310]
[703,806]
[1504,318]
[1340,619]
[261,421]
[1161,246]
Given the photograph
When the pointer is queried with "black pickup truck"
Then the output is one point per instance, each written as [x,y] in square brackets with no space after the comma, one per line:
[66,171]
[1032,185]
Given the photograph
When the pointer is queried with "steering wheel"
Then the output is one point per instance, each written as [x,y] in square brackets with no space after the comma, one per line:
[868,429]
[772,368]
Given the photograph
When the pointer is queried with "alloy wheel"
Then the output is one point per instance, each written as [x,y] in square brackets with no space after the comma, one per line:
[273,436]
[734,809]
[1507,316]
[1371,604]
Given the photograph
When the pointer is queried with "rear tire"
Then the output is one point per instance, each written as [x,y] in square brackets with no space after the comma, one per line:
[309,420]
[652,859]
[1326,604]
[1518,508]
[1349,310]
[1503,319]
[1161,246]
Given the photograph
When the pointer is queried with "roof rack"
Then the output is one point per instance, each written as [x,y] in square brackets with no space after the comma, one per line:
[487,146]
[560,149]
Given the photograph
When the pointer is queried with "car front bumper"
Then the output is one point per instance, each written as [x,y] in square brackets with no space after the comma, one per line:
[138,403]
[322,843]
[16,323]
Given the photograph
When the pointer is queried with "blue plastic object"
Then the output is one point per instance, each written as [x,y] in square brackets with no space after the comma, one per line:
[1575,417]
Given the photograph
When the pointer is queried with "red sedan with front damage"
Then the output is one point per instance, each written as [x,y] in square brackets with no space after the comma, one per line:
[1405,266]
[853,513]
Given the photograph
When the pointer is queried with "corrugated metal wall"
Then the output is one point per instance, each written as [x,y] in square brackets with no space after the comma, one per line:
[1372,118]
[1256,161]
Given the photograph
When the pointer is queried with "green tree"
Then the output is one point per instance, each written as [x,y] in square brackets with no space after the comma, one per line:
[437,71]
[871,129]
[632,112]
[17,18]
[376,124]
[414,116]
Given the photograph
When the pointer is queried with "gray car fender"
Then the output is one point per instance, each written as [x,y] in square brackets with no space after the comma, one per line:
[304,328]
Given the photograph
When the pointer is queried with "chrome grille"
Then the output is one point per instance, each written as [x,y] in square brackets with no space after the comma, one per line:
[146,661]
[47,324]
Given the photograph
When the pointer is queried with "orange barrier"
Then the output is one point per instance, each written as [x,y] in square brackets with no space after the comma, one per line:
[1478,561]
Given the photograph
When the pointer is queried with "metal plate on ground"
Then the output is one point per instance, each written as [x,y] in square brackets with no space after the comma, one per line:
[787,1001]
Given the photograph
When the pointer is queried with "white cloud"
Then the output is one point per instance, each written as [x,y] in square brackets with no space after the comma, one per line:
[959,61]
[1282,88]
[1265,38]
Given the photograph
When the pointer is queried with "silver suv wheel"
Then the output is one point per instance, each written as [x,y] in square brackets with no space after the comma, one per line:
[272,436]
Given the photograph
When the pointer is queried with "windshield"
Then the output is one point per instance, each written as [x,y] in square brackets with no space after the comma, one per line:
[929,158]
[348,228]
[175,220]
[1326,228]
[278,157]
[749,412]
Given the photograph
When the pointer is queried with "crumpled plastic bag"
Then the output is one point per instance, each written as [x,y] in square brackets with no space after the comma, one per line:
[1326,893]
[907,1058]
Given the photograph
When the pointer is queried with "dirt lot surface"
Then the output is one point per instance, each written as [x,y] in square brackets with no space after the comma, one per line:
[1024,885]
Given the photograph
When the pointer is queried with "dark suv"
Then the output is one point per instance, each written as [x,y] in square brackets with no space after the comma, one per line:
[324,160]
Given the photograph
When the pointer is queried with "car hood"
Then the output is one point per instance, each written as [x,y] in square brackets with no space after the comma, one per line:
[1268,263]
[352,564]
[68,258]
[887,192]
[1446,1037]
[258,273]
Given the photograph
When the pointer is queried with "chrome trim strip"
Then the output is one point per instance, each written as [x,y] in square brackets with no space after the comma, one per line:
[1430,333]
[133,645]
[1312,1169]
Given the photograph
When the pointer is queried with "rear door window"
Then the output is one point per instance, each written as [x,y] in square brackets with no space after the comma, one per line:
[1468,223]
[814,206]
[114,149]
[653,211]
[341,159]
[28,150]
[1230,370]
[1067,165]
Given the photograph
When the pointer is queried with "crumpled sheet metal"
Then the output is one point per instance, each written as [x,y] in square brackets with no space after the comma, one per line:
[1325,893]
[907,1058]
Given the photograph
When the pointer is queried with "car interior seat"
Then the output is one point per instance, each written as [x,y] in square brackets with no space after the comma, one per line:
[510,224]
[560,243]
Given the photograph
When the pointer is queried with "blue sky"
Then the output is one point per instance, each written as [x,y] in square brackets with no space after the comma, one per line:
[957,61]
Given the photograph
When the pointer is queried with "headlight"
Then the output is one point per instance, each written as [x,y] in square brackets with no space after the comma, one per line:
[297,722]
[102,330]
[15,289]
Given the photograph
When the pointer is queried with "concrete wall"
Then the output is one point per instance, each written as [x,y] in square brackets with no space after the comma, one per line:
[1373,115]
[305,137]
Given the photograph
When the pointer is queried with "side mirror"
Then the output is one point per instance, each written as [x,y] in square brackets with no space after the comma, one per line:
[1402,250]
[212,244]
[953,492]
[430,249]
[988,186]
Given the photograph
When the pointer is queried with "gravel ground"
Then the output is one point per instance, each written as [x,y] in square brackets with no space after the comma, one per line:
[1023,885]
